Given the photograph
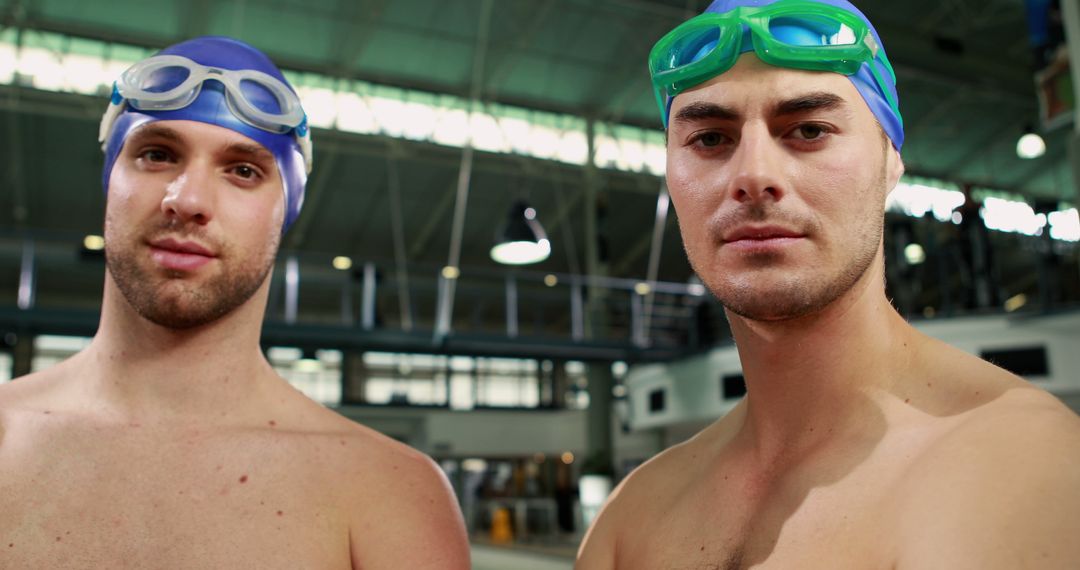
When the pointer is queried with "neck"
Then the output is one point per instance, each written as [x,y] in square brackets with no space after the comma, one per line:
[812,378]
[142,369]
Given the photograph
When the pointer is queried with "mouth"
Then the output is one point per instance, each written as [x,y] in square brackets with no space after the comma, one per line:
[760,233]
[760,238]
[180,255]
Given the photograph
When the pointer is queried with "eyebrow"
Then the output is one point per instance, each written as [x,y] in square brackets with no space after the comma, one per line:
[816,101]
[702,110]
[157,131]
[255,152]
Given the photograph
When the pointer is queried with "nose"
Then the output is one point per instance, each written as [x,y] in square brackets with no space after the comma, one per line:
[190,197]
[757,166]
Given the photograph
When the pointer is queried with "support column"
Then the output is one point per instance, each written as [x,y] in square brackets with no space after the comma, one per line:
[598,457]
[353,377]
[22,355]
[596,246]
[599,454]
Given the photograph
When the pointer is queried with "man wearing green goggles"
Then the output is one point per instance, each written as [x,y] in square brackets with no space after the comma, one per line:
[861,443]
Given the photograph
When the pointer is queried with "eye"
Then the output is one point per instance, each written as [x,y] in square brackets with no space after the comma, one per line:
[246,173]
[810,132]
[155,155]
[709,139]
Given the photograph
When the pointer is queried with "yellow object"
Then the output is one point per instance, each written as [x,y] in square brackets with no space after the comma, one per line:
[500,527]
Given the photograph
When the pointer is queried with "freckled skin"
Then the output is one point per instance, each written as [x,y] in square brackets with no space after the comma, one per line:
[861,443]
[170,442]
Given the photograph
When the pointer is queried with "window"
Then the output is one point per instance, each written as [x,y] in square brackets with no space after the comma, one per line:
[53,349]
[316,373]
[732,386]
[1027,362]
[402,379]
[6,364]
[657,400]
[460,382]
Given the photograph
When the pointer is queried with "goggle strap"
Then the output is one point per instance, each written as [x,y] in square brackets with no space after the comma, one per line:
[108,119]
[885,89]
[305,149]
[872,44]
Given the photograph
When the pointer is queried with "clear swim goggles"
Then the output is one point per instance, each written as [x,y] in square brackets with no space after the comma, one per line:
[173,82]
[800,34]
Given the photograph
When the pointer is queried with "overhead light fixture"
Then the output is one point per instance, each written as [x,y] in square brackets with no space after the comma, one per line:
[1030,145]
[450,272]
[522,239]
[342,263]
[914,254]
[1015,302]
[94,242]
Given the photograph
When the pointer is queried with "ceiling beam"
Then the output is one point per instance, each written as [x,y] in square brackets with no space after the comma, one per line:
[1048,161]
[984,145]
[438,215]
[932,117]
[613,92]
[354,33]
[500,62]
[194,17]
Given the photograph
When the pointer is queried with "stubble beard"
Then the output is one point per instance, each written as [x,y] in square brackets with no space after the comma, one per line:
[166,298]
[799,293]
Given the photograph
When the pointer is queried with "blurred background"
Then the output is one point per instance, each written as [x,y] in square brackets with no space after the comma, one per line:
[487,266]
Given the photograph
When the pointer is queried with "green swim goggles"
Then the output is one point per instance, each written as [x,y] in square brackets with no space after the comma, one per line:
[800,34]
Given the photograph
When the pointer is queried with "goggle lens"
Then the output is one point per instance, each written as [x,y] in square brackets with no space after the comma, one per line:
[164,79]
[692,47]
[804,31]
[261,97]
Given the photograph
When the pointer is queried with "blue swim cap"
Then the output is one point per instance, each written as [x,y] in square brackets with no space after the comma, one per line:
[864,81]
[211,107]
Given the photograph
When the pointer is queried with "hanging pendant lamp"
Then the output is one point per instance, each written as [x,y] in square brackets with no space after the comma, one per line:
[522,239]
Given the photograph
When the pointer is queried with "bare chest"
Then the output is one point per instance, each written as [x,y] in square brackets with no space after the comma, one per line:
[132,498]
[806,524]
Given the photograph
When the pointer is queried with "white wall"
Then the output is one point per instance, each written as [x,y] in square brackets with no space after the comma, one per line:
[693,385]
[692,389]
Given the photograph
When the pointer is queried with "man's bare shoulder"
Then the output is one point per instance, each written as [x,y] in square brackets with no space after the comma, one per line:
[999,489]
[26,397]
[32,389]
[397,498]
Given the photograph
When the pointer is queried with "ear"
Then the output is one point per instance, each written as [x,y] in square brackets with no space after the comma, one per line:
[894,167]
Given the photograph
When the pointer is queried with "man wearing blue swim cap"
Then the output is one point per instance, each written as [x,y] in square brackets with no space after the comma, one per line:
[170,442]
[861,442]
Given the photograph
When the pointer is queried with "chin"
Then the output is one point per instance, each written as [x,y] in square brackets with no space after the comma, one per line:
[761,296]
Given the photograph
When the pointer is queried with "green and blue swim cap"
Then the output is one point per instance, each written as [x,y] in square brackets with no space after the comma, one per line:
[219,81]
[818,35]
